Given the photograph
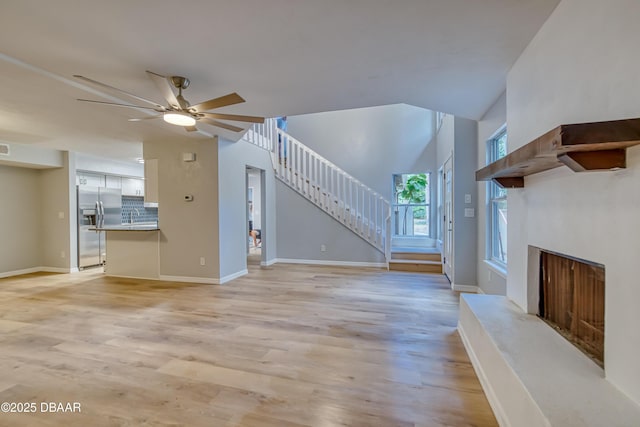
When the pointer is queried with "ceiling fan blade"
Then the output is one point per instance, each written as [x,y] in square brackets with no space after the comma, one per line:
[234,117]
[162,83]
[190,128]
[119,105]
[144,118]
[115,89]
[221,125]
[223,101]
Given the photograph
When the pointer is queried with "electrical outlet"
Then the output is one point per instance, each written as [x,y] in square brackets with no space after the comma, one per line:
[62,254]
[202,261]
[467,198]
[323,248]
[60,215]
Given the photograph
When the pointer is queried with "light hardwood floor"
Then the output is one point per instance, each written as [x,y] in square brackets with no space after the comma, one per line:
[284,346]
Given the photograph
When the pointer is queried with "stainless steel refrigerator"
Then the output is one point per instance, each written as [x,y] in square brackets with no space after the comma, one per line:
[96,207]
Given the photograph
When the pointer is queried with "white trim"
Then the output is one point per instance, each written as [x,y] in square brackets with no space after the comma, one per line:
[479,291]
[122,276]
[498,411]
[20,272]
[189,279]
[58,270]
[268,262]
[333,263]
[496,268]
[464,288]
[37,270]
[230,277]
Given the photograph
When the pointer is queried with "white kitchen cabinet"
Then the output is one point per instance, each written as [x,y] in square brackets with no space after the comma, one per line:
[151,182]
[132,187]
[90,179]
[114,181]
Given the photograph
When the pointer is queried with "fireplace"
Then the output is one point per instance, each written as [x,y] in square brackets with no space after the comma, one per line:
[571,300]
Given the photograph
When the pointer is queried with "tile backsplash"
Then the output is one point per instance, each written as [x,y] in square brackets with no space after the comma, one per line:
[130,203]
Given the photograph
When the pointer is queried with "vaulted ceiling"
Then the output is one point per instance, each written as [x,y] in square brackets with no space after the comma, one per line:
[285,57]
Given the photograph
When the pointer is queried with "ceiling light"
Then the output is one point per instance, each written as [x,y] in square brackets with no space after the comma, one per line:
[179,119]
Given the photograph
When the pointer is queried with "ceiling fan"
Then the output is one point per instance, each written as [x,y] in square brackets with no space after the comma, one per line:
[179,111]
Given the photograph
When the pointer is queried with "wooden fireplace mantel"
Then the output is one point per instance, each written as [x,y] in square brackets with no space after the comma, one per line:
[581,147]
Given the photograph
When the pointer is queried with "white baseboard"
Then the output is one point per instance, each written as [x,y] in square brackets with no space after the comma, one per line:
[230,277]
[20,272]
[58,270]
[464,288]
[189,279]
[332,263]
[37,270]
[498,412]
[268,262]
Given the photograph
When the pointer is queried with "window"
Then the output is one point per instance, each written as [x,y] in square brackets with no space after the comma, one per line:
[411,205]
[497,203]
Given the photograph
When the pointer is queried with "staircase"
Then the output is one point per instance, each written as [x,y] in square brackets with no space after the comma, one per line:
[356,206]
[416,260]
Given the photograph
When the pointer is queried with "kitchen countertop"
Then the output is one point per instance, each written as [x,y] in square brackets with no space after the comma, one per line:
[128,227]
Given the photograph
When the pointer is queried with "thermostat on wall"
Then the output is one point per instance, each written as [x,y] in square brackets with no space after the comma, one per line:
[188,157]
[188,198]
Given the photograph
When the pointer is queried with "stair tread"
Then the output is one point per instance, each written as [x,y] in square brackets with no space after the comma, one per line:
[414,261]
[406,250]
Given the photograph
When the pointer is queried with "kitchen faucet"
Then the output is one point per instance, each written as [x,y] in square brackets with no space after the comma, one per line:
[131,214]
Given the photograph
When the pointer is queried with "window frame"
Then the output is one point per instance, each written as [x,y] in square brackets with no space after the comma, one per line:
[496,197]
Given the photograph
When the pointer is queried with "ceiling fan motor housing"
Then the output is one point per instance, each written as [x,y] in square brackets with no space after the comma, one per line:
[180,82]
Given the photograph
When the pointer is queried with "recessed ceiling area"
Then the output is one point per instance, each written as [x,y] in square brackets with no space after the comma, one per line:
[284,57]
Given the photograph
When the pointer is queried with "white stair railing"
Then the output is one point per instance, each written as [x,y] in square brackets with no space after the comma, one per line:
[349,201]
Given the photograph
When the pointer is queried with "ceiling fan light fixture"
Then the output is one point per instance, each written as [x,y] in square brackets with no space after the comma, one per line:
[179,119]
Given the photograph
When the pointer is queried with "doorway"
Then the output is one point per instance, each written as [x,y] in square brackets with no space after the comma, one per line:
[255,231]
[411,211]
[447,218]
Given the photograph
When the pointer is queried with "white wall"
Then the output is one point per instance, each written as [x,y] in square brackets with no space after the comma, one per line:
[37,214]
[108,166]
[372,143]
[303,228]
[458,138]
[234,157]
[32,157]
[188,230]
[490,280]
[464,183]
[582,66]
[20,219]
[59,234]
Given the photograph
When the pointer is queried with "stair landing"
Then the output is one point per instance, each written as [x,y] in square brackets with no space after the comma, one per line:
[419,260]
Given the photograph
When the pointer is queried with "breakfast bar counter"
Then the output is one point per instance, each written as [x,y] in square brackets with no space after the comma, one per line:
[133,250]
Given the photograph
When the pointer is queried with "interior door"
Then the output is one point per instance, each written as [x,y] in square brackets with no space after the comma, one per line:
[447,219]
